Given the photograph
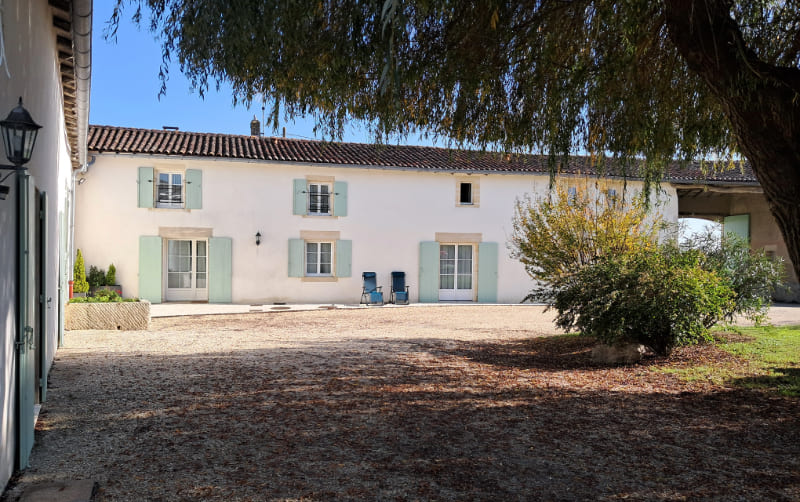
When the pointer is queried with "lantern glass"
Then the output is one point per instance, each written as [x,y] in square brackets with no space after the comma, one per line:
[19,133]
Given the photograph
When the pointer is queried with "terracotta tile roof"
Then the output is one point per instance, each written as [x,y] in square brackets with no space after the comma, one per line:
[109,139]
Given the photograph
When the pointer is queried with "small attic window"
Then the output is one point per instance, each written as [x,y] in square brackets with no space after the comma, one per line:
[465,193]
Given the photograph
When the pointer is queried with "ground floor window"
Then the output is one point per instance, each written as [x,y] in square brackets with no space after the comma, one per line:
[187,272]
[456,272]
[319,258]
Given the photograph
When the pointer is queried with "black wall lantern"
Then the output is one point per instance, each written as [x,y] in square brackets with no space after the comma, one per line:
[258,238]
[19,136]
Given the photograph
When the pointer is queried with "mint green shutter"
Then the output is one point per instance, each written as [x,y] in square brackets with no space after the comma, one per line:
[146,186]
[299,200]
[220,269]
[487,272]
[428,272]
[25,343]
[738,225]
[340,198]
[194,189]
[150,268]
[344,257]
[296,257]
[43,307]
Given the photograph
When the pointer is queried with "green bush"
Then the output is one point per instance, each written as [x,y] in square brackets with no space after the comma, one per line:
[96,277]
[103,296]
[753,276]
[106,293]
[662,299]
[111,275]
[573,226]
[79,283]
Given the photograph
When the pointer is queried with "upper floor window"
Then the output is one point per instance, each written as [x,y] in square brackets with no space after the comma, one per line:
[169,190]
[465,193]
[319,198]
[611,197]
[572,196]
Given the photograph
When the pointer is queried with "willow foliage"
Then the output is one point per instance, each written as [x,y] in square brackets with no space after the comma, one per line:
[547,76]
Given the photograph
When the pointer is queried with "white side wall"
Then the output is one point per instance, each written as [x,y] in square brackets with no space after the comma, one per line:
[389,213]
[31,59]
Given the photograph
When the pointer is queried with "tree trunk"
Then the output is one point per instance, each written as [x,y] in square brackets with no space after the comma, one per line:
[761,100]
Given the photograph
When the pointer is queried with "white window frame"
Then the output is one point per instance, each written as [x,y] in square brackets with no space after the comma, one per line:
[319,262]
[170,174]
[319,193]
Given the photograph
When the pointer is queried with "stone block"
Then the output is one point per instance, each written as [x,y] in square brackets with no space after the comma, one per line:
[124,316]
[623,354]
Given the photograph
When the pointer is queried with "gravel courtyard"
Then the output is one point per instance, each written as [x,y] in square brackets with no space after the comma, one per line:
[422,403]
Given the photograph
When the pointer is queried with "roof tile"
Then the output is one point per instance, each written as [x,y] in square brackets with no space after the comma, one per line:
[193,144]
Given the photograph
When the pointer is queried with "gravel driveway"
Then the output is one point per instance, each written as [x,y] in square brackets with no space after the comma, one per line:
[424,403]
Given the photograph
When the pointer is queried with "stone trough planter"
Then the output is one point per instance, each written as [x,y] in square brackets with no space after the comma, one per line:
[124,316]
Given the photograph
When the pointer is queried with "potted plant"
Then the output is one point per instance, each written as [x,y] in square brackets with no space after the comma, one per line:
[111,280]
[80,286]
[96,278]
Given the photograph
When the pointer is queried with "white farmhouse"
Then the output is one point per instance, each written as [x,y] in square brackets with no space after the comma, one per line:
[247,219]
[45,61]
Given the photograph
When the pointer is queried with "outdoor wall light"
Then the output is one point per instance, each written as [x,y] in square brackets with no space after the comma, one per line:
[258,238]
[19,135]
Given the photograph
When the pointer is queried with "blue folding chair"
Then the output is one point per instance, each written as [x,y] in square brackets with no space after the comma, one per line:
[399,288]
[371,293]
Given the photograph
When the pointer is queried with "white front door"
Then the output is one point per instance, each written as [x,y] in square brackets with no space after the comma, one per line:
[456,272]
[186,270]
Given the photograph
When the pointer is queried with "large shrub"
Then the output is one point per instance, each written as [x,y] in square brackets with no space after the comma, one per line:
[79,283]
[572,227]
[662,299]
[753,276]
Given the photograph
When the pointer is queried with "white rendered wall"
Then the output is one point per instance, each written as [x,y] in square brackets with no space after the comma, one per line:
[389,213]
[31,59]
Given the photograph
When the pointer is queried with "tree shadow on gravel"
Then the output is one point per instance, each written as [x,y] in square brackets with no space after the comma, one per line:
[413,420]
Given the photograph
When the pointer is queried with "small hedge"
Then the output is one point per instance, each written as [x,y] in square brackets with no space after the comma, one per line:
[103,296]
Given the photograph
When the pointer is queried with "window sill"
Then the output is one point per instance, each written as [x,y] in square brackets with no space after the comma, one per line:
[323,278]
[165,208]
[321,216]
[465,204]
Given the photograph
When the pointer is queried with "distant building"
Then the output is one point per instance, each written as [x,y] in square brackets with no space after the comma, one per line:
[181,211]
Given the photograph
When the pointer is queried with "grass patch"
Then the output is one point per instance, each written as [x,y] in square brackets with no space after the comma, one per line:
[775,353]
[771,356]
[702,373]
[768,345]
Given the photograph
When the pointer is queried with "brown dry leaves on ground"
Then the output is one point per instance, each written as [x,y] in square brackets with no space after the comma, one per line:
[439,403]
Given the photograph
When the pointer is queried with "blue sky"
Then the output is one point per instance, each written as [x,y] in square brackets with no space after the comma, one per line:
[125,88]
